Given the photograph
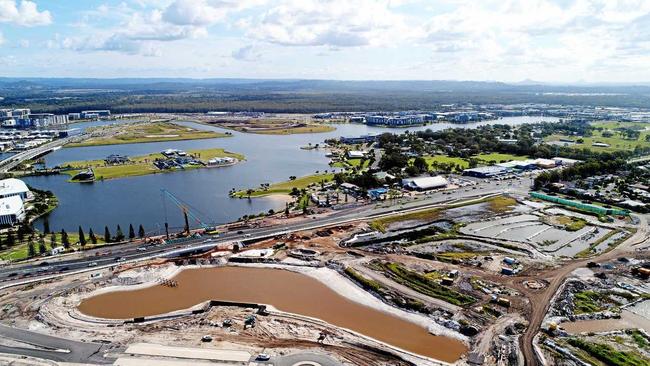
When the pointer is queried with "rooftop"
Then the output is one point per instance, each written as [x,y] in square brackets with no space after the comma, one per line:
[12,186]
[10,205]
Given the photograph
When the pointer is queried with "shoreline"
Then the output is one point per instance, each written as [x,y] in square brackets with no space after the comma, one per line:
[326,276]
[144,165]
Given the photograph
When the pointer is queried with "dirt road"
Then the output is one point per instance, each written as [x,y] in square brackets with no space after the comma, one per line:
[541,300]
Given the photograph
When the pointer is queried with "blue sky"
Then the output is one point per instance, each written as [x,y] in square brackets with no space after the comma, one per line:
[505,40]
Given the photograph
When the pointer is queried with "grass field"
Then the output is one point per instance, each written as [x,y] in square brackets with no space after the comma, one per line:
[464,163]
[616,142]
[444,159]
[498,157]
[352,163]
[287,186]
[20,251]
[274,126]
[501,204]
[296,130]
[140,165]
[147,132]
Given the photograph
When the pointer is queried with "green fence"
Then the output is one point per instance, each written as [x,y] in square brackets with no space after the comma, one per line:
[579,205]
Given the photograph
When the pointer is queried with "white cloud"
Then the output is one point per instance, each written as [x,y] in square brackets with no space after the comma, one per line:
[2,39]
[204,12]
[24,14]
[246,53]
[140,33]
[338,23]
[193,12]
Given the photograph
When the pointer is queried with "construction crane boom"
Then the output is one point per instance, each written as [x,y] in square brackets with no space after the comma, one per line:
[185,209]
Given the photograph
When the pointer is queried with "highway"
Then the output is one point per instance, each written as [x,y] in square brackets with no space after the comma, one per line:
[113,255]
[15,160]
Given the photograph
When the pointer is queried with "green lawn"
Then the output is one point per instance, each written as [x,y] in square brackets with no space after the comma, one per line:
[352,163]
[444,159]
[464,163]
[617,141]
[20,251]
[140,165]
[287,186]
[499,157]
[148,132]
[313,128]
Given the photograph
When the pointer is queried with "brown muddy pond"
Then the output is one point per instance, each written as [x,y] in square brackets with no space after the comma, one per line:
[287,291]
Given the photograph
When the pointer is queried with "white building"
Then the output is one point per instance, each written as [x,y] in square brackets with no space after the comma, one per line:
[425,183]
[355,154]
[14,187]
[546,163]
[12,210]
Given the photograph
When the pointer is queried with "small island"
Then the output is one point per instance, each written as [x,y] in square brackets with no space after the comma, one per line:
[142,132]
[281,125]
[120,166]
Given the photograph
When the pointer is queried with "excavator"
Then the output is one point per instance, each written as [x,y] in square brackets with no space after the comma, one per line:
[187,214]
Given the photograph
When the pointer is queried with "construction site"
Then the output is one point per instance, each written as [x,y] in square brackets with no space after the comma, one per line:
[465,283]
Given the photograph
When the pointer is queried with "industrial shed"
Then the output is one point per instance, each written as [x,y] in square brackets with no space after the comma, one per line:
[425,183]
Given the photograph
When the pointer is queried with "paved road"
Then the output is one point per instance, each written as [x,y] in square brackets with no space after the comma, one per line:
[132,252]
[52,348]
[541,302]
[13,161]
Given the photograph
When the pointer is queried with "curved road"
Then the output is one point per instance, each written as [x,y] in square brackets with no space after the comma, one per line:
[541,301]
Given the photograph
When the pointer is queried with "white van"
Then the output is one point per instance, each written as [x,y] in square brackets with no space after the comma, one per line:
[57,250]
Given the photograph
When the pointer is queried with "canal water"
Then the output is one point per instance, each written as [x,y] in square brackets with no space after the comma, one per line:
[287,291]
[137,200]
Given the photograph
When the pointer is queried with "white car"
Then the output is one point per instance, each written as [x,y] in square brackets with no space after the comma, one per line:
[263,357]
[93,264]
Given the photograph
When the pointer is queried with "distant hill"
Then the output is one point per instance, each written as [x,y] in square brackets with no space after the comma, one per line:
[296,95]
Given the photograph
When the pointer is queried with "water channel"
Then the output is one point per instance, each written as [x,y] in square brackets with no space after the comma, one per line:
[287,291]
[137,200]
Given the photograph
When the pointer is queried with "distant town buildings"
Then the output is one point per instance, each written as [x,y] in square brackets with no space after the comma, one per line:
[95,114]
[24,118]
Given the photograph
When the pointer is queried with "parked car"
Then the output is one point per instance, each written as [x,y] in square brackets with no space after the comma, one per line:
[263,357]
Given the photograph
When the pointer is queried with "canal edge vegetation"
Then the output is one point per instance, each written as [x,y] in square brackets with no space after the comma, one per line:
[141,165]
[293,187]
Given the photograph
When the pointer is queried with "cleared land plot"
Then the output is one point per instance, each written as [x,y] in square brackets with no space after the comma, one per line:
[422,283]
[147,132]
[464,212]
[532,229]
[271,126]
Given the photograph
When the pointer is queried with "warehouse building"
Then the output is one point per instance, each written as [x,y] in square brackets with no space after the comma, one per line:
[486,171]
[14,187]
[425,183]
[12,211]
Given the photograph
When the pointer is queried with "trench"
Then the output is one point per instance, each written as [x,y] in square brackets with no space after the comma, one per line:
[285,290]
